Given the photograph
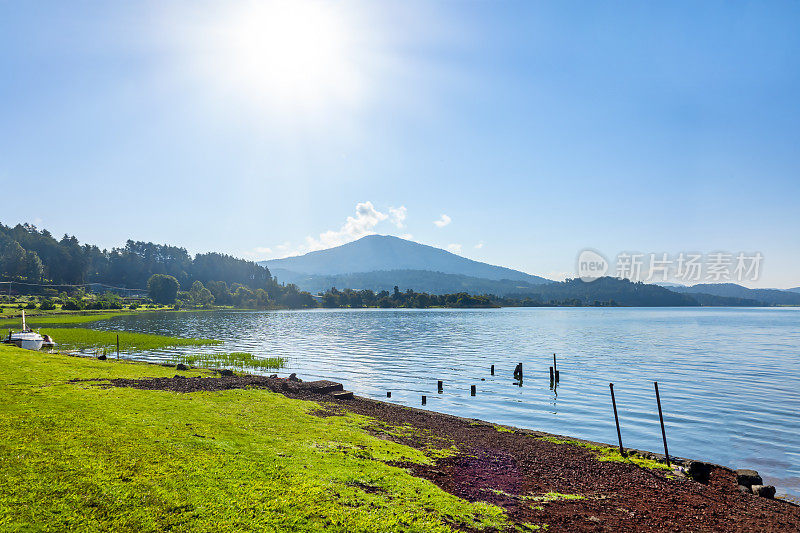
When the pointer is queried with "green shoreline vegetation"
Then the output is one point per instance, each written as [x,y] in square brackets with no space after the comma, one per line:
[239,360]
[84,457]
[610,453]
[83,339]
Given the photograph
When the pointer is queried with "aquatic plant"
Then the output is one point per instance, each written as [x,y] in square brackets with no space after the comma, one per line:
[84,339]
[233,359]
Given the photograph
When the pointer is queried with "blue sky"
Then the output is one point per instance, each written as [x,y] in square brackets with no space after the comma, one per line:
[538,129]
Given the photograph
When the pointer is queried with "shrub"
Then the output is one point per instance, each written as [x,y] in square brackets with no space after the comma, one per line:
[73,305]
[47,305]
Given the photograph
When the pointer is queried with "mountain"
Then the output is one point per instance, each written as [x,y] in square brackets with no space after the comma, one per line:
[732,290]
[419,280]
[376,253]
[796,289]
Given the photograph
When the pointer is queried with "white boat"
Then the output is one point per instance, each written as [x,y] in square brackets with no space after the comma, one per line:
[27,338]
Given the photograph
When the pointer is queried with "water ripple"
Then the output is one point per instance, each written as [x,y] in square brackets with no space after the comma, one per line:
[729,378]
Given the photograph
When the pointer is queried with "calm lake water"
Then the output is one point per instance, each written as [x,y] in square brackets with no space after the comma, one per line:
[729,378]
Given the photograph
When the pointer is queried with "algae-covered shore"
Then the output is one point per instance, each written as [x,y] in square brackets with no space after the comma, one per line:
[99,445]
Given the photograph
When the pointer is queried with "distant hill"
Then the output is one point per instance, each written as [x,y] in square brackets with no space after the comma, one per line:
[609,290]
[732,290]
[419,280]
[796,289]
[377,253]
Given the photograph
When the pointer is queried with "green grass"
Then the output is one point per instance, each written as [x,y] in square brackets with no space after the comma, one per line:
[611,453]
[46,320]
[83,339]
[76,456]
[233,359]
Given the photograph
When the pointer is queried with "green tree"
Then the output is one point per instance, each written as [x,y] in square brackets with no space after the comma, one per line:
[163,289]
[200,295]
[33,267]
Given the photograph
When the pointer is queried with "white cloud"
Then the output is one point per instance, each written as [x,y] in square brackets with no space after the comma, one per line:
[367,217]
[398,216]
[479,245]
[443,221]
[455,248]
[557,275]
[354,227]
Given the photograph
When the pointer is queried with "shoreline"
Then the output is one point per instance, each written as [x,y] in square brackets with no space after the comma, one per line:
[685,466]
[502,465]
[535,480]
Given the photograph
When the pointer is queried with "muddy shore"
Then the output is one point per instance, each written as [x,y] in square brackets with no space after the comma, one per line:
[536,480]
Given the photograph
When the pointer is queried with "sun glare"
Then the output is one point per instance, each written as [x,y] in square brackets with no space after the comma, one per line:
[283,54]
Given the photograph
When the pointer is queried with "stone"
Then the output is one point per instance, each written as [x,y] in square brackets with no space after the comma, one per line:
[343,395]
[322,386]
[273,376]
[699,471]
[181,366]
[293,377]
[102,357]
[748,477]
[744,489]
[765,491]
[225,372]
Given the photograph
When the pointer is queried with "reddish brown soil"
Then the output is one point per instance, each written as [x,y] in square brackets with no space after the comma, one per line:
[510,468]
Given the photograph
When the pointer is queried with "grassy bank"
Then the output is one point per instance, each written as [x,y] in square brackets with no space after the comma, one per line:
[81,457]
[37,321]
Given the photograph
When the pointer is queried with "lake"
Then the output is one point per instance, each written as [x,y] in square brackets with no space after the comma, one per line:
[729,378]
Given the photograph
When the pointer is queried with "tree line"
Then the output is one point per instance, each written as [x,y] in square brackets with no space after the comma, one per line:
[349,298]
[34,256]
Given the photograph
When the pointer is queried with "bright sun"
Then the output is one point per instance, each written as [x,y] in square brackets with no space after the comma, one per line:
[294,54]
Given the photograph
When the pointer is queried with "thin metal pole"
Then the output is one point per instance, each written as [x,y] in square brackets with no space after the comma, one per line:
[616,419]
[661,418]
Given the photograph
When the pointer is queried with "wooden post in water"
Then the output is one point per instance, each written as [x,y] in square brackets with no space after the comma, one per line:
[117,346]
[555,368]
[472,390]
[661,419]
[424,399]
[616,419]
[492,370]
[552,376]
[441,385]
[388,394]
